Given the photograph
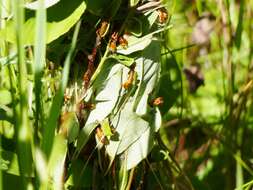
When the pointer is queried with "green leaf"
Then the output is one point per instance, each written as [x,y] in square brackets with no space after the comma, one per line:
[6,113]
[148,72]
[152,17]
[134,2]
[60,18]
[10,59]
[107,87]
[157,119]
[35,4]
[124,60]
[239,28]
[122,175]
[5,97]
[105,125]
[41,167]
[140,149]
[48,132]
[9,162]
[84,136]
[137,44]
[129,127]
[57,161]
[79,177]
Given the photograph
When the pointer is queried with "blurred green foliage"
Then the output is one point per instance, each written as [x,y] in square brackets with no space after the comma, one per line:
[161,100]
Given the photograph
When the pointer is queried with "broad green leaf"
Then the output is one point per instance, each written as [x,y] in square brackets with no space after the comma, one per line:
[148,71]
[107,87]
[140,149]
[60,18]
[84,136]
[70,126]
[129,127]
[57,161]
[137,44]
[80,175]
[125,60]
[41,167]
[170,82]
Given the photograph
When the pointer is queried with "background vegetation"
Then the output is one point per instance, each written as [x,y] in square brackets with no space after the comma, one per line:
[126,94]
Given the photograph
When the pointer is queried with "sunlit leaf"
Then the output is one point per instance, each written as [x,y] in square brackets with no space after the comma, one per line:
[148,69]
[35,4]
[105,125]
[125,60]
[5,97]
[60,18]
[84,136]
[9,162]
[137,44]
[140,149]
[107,86]
[134,2]
[57,161]
[129,127]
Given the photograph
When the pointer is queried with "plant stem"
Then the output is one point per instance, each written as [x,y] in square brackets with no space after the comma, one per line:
[22,125]
[100,66]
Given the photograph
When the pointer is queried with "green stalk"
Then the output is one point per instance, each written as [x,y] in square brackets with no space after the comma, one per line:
[100,66]
[22,125]
[39,64]
[40,53]
[239,171]
[1,181]
[49,130]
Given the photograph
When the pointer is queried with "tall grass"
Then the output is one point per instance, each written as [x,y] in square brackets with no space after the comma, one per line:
[23,127]
[206,133]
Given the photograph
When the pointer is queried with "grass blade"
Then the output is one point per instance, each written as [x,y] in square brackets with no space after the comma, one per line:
[22,125]
[40,52]
[239,29]
[49,131]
